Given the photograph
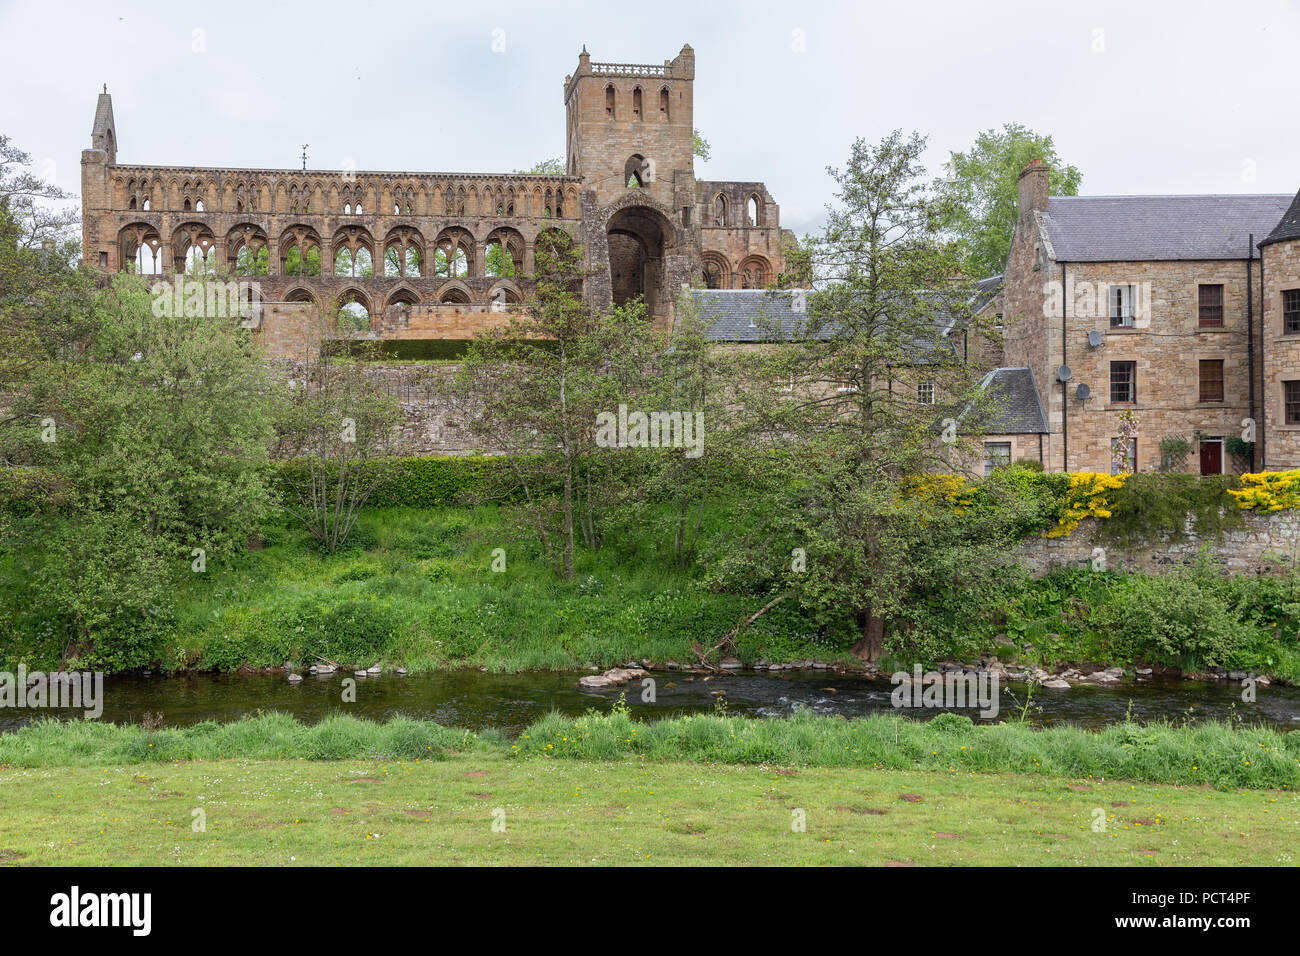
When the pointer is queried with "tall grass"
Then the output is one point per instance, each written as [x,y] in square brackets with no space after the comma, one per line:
[1211,753]
[1216,754]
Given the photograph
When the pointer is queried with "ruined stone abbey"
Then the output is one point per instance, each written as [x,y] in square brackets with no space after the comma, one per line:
[427,255]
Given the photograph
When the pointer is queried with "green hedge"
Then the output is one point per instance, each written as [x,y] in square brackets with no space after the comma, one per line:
[402,350]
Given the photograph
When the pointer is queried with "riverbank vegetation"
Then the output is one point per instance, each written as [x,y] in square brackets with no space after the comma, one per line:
[1213,754]
[417,587]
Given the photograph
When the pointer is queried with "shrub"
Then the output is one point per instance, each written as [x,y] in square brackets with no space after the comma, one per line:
[353,633]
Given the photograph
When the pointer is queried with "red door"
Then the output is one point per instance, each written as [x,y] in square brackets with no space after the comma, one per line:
[1211,457]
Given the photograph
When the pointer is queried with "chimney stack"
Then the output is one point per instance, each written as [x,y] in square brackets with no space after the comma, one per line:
[1034,187]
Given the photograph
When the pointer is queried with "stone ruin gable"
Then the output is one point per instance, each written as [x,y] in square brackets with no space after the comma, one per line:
[739,229]
[1029,336]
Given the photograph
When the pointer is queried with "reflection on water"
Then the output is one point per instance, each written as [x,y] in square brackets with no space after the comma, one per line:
[509,702]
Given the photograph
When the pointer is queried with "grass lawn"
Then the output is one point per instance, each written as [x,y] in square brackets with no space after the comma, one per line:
[345,812]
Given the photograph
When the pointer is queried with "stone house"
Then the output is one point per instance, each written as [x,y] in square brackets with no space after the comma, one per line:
[1183,311]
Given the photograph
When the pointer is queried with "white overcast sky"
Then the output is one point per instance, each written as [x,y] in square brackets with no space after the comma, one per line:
[1144,97]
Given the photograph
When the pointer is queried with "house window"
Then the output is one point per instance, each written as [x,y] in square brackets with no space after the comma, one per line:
[1291,310]
[1211,307]
[925,393]
[1123,455]
[1292,395]
[1123,382]
[997,454]
[1211,380]
[1121,307]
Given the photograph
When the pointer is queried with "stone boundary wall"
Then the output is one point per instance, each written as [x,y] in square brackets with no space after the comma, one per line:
[1264,544]
[435,424]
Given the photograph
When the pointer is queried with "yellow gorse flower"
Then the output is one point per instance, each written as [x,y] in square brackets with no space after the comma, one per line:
[1085,499]
[1268,491]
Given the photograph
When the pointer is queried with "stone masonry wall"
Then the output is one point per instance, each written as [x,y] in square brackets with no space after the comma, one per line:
[1281,271]
[1264,544]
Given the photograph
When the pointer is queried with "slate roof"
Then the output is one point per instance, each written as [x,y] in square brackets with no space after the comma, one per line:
[1018,410]
[1159,228]
[767,315]
[985,291]
[751,315]
[1289,227]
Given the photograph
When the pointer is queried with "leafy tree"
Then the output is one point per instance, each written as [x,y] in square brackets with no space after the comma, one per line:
[533,389]
[338,432]
[31,201]
[545,167]
[147,448]
[699,145]
[835,516]
[981,190]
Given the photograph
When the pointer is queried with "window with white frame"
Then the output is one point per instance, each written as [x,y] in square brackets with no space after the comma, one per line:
[1121,307]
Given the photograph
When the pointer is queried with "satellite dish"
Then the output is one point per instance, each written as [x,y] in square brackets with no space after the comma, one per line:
[1094,338]
[1083,391]
[1063,373]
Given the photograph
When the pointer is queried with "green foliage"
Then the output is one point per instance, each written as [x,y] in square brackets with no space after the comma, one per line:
[353,633]
[1174,450]
[982,192]
[97,588]
[1159,507]
[699,145]
[1187,619]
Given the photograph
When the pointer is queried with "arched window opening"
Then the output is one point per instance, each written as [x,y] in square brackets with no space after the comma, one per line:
[720,210]
[140,250]
[754,273]
[198,206]
[200,261]
[663,103]
[636,103]
[717,274]
[353,315]
[147,205]
[753,210]
[609,100]
[347,209]
[251,262]
[503,257]
[455,297]
[298,263]
[451,255]
[632,171]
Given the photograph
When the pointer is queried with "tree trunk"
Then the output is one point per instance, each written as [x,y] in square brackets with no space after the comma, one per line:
[870,645]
